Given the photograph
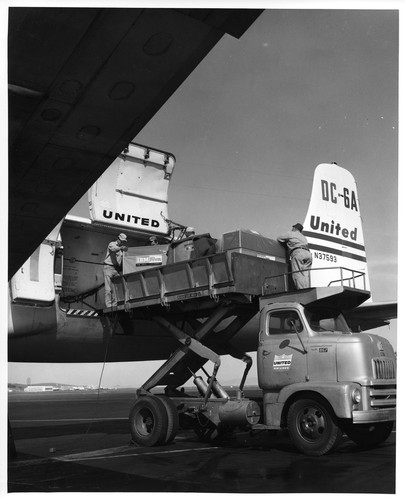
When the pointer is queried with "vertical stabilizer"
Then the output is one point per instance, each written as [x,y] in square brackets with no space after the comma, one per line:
[334,230]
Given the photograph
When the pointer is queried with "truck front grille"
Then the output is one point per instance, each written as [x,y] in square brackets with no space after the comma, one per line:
[384,368]
[383,397]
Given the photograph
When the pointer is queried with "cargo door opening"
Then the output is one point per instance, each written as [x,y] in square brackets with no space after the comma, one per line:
[38,278]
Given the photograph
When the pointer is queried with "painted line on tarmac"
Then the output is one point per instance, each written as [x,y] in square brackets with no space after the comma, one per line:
[95,456]
[53,420]
[15,463]
[95,453]
[38,461]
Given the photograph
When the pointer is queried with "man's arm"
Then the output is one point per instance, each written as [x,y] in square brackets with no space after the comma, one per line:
[283,238]
[114,247]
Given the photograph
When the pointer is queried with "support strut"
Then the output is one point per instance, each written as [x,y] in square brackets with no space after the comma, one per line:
[189,344]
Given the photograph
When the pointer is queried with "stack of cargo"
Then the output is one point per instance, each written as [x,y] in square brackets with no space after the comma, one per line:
[252,243]
[248,242]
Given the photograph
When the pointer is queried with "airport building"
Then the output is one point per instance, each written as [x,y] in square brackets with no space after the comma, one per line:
[40,388]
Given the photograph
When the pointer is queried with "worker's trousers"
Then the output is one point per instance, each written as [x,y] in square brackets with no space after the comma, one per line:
[301,261]
[110,297]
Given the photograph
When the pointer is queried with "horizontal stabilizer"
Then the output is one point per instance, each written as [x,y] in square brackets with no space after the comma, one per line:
[371,315]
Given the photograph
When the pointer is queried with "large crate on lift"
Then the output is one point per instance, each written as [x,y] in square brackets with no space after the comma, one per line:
[252,243]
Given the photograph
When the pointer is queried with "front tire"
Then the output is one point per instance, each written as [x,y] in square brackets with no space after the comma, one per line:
[369,435]
[312,426]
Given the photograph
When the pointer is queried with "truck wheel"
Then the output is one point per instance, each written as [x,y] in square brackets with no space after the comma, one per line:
[312,426]
[172,419]
[369,435]
[148,421]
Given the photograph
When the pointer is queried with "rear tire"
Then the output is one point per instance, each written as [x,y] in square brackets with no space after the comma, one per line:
[172,419]
[148,421]
[369,435]
[312,426]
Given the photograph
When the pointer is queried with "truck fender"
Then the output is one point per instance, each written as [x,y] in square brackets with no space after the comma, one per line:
[337,394]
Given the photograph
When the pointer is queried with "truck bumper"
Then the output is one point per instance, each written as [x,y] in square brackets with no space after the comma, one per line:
[372,416]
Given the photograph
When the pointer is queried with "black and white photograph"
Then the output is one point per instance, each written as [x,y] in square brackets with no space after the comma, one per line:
[201,216]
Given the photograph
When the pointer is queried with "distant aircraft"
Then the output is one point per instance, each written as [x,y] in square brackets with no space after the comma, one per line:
[57,297]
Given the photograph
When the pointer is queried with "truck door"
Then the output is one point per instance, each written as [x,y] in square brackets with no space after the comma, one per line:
[281,358]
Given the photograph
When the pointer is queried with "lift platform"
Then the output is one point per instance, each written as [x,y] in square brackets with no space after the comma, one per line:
[236,276]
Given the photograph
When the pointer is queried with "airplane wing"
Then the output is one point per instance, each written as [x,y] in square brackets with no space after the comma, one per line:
[371,315]
[82,83]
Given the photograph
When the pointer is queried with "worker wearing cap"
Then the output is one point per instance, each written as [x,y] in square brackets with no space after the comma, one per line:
[190,231]
[300,256]
[113,266]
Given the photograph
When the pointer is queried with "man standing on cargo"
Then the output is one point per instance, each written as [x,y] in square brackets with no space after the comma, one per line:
[300,256]
[113,267]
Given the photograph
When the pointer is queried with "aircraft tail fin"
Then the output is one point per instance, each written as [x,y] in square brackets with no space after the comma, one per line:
[333,228]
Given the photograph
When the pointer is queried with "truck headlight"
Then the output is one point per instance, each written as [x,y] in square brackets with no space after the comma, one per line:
[356,396]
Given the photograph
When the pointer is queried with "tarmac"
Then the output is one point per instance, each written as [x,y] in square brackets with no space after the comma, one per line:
[79,441]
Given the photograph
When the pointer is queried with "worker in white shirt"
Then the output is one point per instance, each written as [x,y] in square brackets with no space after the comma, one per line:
[113,266]
[300,256]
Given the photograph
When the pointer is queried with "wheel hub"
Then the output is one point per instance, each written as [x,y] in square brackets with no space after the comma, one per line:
[311,423]
[144,422]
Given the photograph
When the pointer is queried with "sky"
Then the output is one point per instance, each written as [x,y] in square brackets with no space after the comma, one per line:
[250,124]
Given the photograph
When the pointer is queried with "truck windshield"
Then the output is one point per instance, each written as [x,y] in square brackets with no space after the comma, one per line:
[326,321]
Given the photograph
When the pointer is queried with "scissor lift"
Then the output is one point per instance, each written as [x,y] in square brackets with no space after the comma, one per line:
[199,295]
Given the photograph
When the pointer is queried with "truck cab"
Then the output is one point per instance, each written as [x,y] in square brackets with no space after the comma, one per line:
[319,378]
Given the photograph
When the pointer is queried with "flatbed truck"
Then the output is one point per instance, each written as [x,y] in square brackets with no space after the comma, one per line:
[317,378]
